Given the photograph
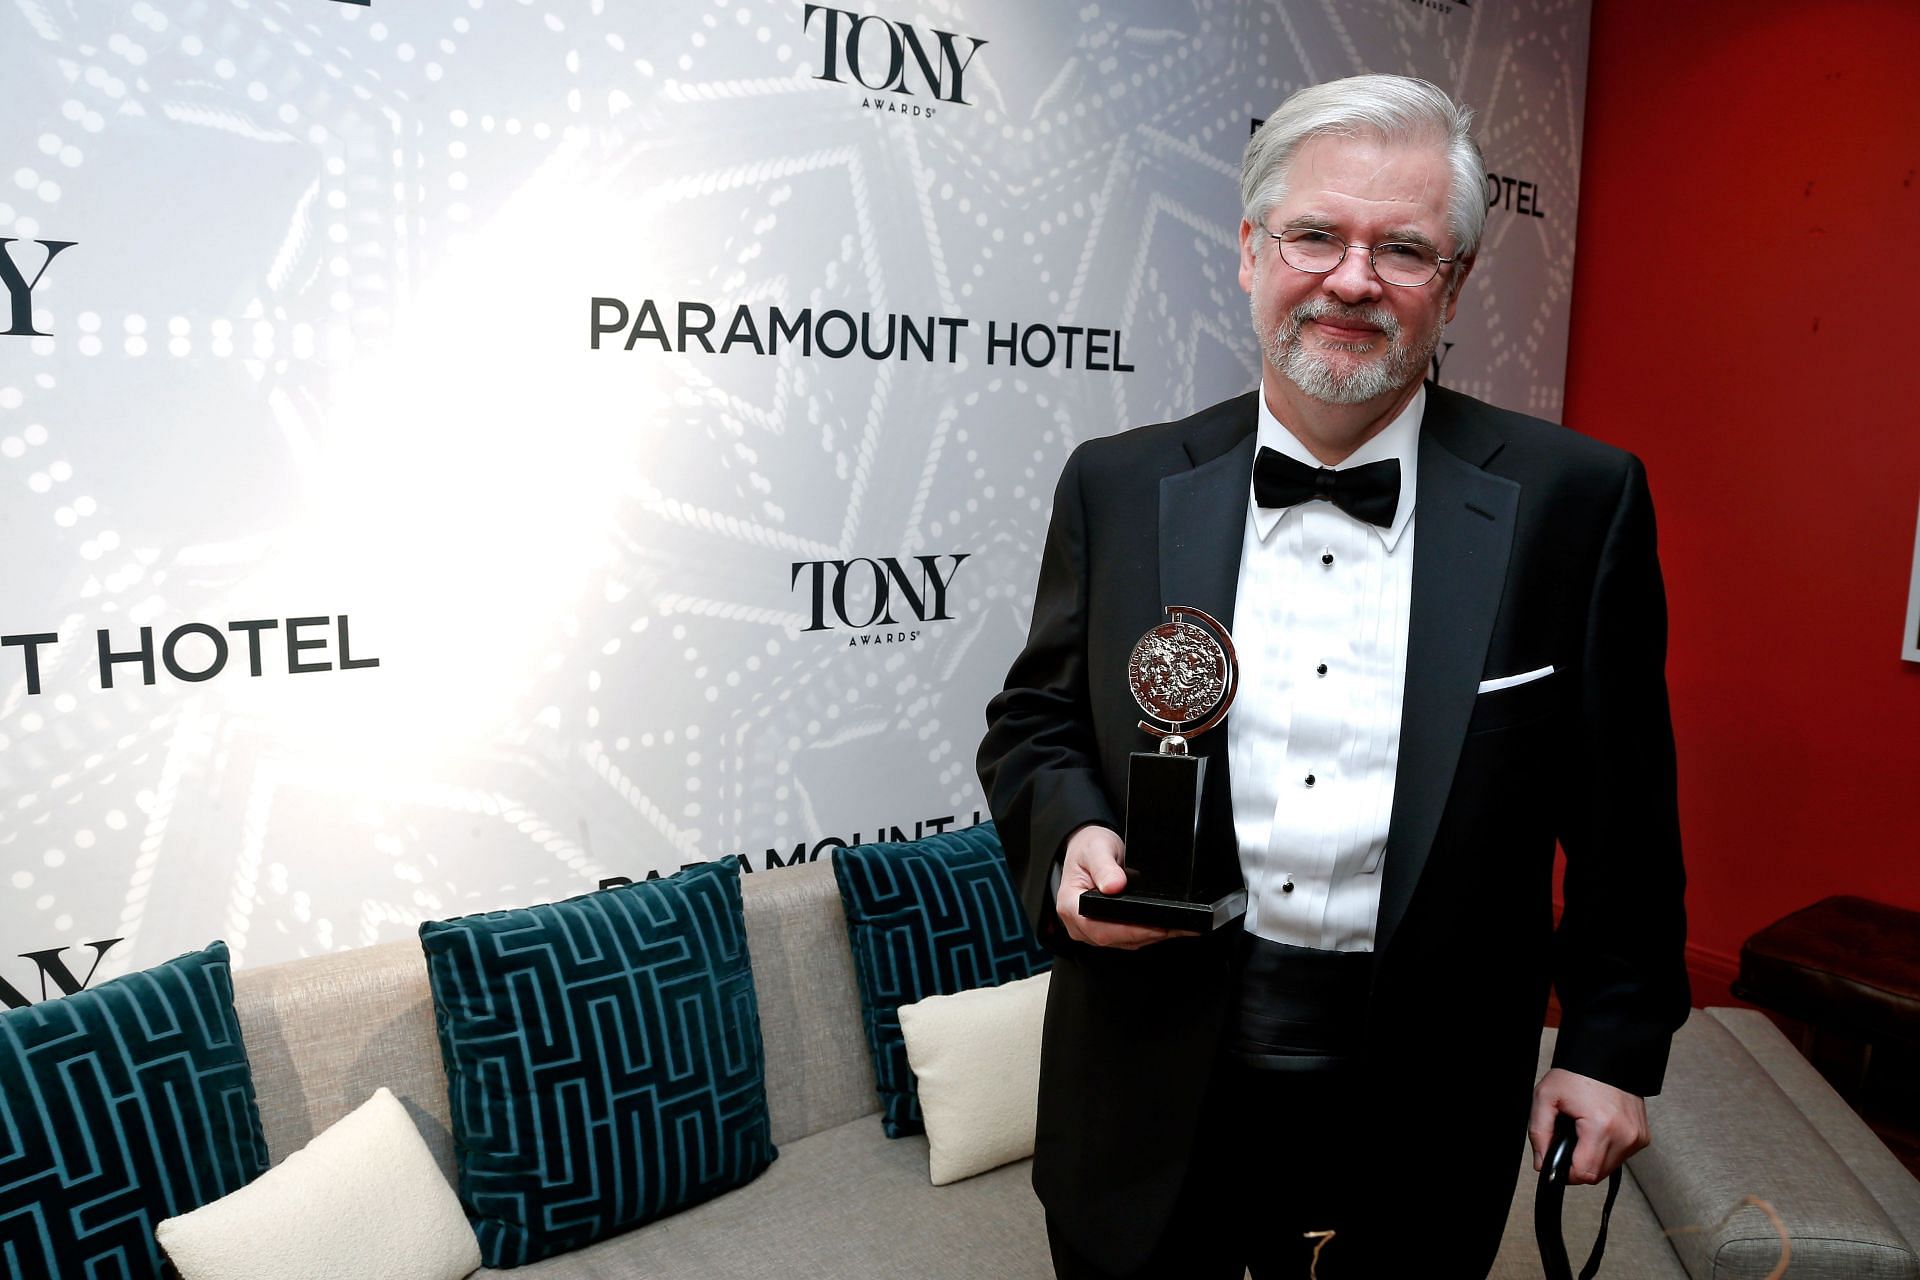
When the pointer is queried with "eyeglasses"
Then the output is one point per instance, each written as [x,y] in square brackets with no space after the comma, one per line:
[1395,262]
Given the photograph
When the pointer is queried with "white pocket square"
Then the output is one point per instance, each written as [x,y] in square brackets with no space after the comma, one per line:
[1507,682]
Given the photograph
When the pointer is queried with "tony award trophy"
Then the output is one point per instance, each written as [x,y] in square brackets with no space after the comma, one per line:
[1183,674]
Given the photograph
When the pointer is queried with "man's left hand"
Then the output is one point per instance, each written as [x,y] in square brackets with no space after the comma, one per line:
[1612,1123]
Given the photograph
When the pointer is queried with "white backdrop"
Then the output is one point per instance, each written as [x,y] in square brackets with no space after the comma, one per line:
[371,316]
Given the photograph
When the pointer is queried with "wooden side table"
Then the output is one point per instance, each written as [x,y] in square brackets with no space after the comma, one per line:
[1848,971]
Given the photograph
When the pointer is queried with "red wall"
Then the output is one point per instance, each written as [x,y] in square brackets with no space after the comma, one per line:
[1745,319]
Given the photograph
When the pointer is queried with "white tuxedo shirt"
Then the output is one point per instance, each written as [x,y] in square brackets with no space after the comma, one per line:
[1320,627]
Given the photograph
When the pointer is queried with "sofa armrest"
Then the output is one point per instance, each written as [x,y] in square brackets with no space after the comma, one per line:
[1897,1190]
[1723,1130]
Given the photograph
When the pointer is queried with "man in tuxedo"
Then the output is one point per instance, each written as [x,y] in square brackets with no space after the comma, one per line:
[1452,633]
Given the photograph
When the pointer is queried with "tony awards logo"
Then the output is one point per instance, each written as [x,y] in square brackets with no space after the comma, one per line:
[1183,674]
[895,62]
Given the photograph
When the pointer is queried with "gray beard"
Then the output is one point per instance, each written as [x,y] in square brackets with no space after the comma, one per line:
[1320,378]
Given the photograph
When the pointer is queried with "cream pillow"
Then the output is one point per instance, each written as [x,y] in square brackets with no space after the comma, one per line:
[363,1201]
[976,1058]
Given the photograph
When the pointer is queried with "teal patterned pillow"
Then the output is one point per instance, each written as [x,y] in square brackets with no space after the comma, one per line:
[121,1106]
[603,1060]
[928,918]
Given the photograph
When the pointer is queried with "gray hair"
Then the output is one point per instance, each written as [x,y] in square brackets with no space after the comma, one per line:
[1396,108]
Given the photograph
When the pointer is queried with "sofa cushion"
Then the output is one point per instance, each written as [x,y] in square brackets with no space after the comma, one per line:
[324,1032]
[976,1066]
[929,917]
[603,1058]
[818,1074]
[1723,1131]
[845,1204]
[363,1199]
[121,1106]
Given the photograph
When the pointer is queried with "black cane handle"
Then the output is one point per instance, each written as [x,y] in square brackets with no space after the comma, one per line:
[1554,1170]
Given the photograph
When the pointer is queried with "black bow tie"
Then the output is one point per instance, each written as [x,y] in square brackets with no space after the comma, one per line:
[1370,492]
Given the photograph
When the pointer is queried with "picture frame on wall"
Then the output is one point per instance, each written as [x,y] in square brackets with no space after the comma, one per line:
[1910,640]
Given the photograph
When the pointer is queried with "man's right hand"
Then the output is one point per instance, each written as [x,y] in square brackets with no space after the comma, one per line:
[1094,860]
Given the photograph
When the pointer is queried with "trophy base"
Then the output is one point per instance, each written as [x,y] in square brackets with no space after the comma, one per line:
[1164,913]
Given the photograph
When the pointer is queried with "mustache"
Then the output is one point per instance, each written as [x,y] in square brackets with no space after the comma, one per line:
[1327,309]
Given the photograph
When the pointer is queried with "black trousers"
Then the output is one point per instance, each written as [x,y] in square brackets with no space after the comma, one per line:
[1271,1169]
[1282,1155]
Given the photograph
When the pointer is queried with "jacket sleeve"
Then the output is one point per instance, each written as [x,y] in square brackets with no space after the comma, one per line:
[1039,763]
[1619,962]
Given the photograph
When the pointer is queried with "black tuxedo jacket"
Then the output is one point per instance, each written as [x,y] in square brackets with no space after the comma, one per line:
[1533,546]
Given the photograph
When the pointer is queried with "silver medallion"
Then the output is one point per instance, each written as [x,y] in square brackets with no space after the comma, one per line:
[1183,675]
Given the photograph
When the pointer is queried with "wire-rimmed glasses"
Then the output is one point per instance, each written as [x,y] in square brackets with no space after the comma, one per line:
[1396,262]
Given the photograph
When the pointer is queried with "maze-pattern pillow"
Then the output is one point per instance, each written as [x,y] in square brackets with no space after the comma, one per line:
[603,1060]
[121,1106]
[928,918]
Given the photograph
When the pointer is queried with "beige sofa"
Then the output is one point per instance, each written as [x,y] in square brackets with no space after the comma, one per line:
[1743,1113]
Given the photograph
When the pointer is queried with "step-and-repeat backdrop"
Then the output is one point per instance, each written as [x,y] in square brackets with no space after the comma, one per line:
[454,453]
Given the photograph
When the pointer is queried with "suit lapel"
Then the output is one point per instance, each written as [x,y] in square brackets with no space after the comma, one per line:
[1462,540]
[1203,516]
